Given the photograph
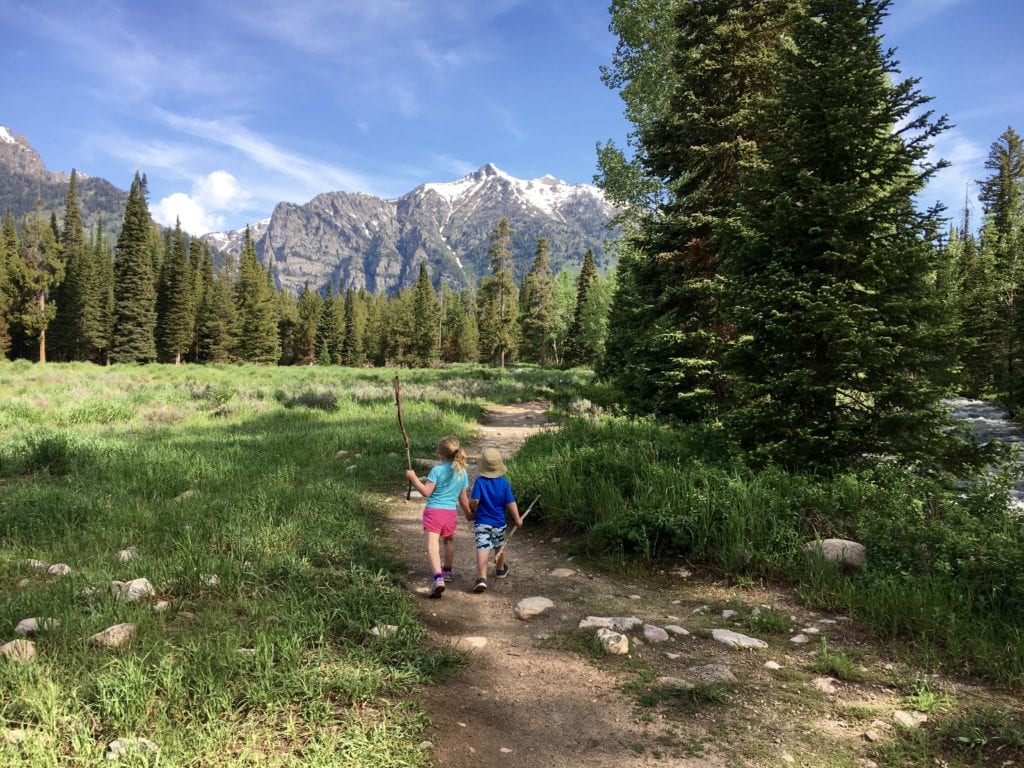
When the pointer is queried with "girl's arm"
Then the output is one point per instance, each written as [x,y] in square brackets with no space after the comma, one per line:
[425,489]
[467,509]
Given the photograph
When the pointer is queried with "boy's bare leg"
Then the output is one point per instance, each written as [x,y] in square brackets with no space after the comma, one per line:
[499,561]
[482,556]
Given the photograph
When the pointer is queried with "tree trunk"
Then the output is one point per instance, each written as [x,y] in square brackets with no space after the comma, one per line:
[42,331]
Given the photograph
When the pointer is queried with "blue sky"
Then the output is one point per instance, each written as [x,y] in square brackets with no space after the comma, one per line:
[231,106]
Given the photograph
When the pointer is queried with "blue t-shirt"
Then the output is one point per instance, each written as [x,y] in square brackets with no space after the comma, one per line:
[448,484]
[494,493]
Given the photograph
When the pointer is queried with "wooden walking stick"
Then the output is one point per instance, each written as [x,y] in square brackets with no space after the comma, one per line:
[405,435]
[503,547]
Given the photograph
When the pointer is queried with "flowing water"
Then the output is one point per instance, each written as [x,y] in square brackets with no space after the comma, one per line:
[990,422]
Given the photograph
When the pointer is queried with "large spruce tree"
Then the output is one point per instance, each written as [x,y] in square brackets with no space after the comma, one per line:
[831,279]
[42,267]
[175,300]
[256,304]
[576,351]
[426,320]
[134,339]
[74,297]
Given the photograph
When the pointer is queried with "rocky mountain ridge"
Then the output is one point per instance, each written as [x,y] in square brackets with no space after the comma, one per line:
[355,240]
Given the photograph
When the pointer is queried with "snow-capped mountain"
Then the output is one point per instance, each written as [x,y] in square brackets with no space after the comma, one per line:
[361,241]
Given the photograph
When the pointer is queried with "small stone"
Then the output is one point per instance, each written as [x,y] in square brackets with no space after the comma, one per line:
[848,554]
[757,611]
[470,643]
[709,674]
[89,592]
[59,569]
[617,623]
[635,597]
[612,642]
[135,745]
[246,651]
[653,634]
[160,606]
[682,573]
[114,637]
[673,683]
[563,573]
[827,621]
[825,684]
[341,454]
[425,745]
[351,467]
[29,627]
[131,591]
[909,720]
[384,631]
[185,495]
[23,583]
[774,666]
[209,579]
[529,607]
[737,640]
[37,565]
[810,630]
[871,736]
[675,629]
[505,751]
[701,609]
[21,651]
[800,639]
[14,735]
[542,636]
[556,539]
[129,554]
[728,613]
[672,656]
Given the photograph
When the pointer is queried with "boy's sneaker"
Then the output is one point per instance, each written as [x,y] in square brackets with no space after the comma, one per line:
[437,587]
[501,573]
[481,585]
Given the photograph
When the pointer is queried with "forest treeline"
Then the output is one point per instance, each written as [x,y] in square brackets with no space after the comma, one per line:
[155,295]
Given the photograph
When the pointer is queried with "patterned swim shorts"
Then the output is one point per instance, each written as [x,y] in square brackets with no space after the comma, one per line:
[489,536]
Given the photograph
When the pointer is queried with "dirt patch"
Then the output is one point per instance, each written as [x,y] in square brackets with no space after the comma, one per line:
[539,694]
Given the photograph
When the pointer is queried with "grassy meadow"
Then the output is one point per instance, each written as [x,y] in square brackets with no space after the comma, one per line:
[272,663]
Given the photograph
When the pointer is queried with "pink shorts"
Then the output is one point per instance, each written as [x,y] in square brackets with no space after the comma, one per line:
[440,521]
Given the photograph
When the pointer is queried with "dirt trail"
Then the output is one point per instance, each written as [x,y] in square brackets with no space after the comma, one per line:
[536,695]
[520,701]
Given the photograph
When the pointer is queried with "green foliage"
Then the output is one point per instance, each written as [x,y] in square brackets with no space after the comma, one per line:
[426,318]
[498,301]
[175,296]
[256,305]
[838,664]
[537,304]
[134,327]
[41,268]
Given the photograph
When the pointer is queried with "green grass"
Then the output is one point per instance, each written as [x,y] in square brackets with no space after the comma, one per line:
[278,668]
[837,664]
[944,584]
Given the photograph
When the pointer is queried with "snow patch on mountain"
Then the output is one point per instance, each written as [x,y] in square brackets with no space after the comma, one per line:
[6,136]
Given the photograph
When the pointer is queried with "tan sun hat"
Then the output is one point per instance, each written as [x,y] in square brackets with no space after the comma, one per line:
[491,464]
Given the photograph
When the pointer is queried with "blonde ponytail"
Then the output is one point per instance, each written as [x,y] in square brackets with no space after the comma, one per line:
[448,449]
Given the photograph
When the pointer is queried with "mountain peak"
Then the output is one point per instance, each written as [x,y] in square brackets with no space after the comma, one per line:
[6,136]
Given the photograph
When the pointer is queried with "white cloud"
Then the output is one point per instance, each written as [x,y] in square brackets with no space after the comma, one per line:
[950,185]
[203,210]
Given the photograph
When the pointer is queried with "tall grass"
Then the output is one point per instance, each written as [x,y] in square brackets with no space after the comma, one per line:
[272,665]
[945,572]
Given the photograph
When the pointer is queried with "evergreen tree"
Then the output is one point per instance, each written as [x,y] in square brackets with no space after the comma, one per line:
[74,297]
[375,332]
[831,279]
[219,335]
[6,291]
[323,329]
[335,312]
[594,318]
[426,315]
[1002,195]
[198,253]
[693,92]
[499,300]
[576,352]
[42,268]
[309,309]
[100,329]
[563,292]
[257,310]
[175,300]
[134,285]
[356,311]
[287,324]
[9,301]
[399,336]
[538,308]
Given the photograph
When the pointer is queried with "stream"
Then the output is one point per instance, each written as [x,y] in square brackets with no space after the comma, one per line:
[991,422]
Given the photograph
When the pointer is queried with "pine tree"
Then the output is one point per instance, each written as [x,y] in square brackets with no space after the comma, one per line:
[309,309]
[831,280]
[594,319]
[425,321]
[336,327]
[256,304]
[175,300]
[576,352]
[287,324]
[76,310]
[100,329]
[219,335]
[323,329]
[42,268]
[693,92]
[538,308]
[134,285]
[499,300]
[12,267]
[1002,195]
[375,332]
[356,311]
[197,255]
[6,291]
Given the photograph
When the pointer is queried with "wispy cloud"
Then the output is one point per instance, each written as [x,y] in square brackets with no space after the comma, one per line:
[507,120]
[454,165]
[951,185]
[907,14]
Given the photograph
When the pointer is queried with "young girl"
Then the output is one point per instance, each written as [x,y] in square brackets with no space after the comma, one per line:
[446,490]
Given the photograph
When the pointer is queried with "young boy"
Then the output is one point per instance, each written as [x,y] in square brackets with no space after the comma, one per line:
[491,498]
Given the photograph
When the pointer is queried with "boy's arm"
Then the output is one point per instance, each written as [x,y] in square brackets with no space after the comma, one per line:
[425,489]
[513,509]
